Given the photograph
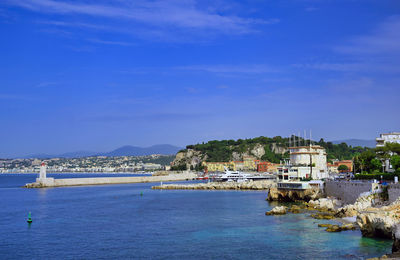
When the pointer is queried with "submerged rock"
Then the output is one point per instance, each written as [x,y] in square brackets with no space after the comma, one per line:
[324,225]
[333,228]
[295,209]
[323,216]
[279,210]
[337,228]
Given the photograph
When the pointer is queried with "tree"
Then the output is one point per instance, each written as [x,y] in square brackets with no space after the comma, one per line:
[395,161]
[376,165]
[343,168]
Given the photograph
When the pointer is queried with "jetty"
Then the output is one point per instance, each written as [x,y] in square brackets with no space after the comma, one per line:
[44,182]
[249,185]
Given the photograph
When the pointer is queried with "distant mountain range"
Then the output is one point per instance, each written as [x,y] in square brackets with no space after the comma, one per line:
[357,142]
[166,149]
[127,150]
[138,151]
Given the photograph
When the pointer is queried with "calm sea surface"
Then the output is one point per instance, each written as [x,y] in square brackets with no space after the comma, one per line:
[114,221]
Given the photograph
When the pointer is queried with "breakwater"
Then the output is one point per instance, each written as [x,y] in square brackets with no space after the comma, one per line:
[251,185]
[50,182]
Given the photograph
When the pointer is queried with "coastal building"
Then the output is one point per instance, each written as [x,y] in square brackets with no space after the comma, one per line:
[333,167]
[248,164]
[219,166]
[267,167]
[393,137]
[305,162]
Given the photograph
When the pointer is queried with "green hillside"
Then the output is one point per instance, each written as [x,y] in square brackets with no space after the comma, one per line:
[222,151]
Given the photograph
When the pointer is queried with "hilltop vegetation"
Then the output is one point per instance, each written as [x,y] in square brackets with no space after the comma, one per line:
[264,148]
[224,150]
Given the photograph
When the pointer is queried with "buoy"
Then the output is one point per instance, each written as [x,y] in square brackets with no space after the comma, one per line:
[141,193]
[29,218]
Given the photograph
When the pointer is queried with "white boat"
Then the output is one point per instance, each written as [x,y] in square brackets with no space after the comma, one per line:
[233,176]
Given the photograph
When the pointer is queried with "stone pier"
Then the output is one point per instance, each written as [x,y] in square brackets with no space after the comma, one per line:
[51,182]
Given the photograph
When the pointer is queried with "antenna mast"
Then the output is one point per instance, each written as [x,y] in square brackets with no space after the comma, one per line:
[298,137]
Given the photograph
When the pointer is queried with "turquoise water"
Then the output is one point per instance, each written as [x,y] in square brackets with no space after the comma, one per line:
[114,221]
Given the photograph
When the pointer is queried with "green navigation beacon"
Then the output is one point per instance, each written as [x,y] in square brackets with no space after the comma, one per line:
[141,193]
[29,218]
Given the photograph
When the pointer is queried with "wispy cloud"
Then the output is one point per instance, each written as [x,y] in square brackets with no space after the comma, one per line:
[385,39]
[183,14]
[311,9]
[158,116]
[331,66]
[120,43]
[231,69]
[46,84]
[82,25]
[13,97]
[385,66]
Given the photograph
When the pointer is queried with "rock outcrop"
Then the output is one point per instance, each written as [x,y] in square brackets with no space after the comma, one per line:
[325,204]
[363,202]
[188,157]
[282,195]
[337,228]
[396,239]
[279,210]
[258,151]
[379,222]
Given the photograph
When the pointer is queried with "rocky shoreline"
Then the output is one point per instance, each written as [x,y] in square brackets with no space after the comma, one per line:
[251,185]
[366,213]
[372,219]
[281,195]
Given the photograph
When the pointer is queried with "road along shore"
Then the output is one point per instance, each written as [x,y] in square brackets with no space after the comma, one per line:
[50,182]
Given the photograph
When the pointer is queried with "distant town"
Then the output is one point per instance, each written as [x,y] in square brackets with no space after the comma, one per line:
[88,164]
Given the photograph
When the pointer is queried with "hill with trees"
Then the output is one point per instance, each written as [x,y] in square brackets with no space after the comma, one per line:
[263,148]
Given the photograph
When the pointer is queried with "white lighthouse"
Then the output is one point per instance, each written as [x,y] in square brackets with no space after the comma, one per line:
[43,180]
[42,174]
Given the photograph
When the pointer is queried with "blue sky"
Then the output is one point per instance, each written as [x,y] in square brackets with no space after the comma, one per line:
[95,75]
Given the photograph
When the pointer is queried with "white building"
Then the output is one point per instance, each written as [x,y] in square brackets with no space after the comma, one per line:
[393,137]
[305,162]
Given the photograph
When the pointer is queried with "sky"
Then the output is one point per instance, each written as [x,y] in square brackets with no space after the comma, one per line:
[98,74]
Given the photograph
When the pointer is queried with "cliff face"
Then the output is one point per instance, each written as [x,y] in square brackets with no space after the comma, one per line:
[379,221]
[188,157]
[276,194]
[192,157]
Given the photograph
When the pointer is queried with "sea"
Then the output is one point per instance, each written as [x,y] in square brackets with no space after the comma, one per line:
[132,221]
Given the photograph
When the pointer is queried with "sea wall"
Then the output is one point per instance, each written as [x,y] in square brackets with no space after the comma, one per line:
[347,192]
[109,180]
[393,192]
